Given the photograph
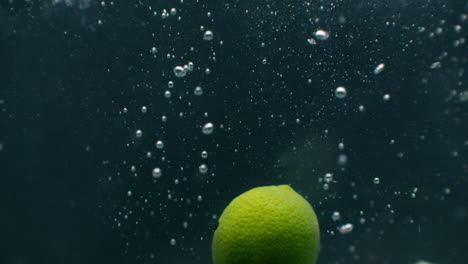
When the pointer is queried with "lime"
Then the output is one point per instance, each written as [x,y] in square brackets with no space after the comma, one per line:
[267,225]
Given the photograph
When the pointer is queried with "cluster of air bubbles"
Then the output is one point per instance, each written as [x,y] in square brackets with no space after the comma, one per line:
[165,14]
[208,35]
[321,34]
[379,68]
[340,92]
[208,128]
[181,71]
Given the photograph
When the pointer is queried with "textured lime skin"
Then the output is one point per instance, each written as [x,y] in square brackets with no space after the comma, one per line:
[267,225]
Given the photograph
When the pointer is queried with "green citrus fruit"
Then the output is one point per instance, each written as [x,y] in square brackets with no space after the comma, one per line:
[267,225]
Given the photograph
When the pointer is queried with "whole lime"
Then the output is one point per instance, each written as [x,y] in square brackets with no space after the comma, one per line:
[267,225]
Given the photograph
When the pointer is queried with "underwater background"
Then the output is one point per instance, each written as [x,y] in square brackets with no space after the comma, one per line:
[126,127]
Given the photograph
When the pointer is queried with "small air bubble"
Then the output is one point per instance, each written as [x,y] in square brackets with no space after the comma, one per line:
[346,228]
[336,216]
[139,133]
[208,35]
[159,144]
[156,173]
[340,92]
[179,71]
[379,68]
[198,91]
[311,41]
[321,34]
[173,242]
[208,128]
[203,169]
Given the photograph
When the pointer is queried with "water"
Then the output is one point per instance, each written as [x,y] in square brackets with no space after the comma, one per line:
[126,127]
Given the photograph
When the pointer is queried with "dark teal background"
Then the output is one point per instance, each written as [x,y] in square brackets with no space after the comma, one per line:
[65,163]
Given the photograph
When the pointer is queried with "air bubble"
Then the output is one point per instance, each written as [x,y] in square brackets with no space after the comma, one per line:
[156,173]
[208,128]
[203,169]
[321,34]
[198,91]
[346,228]
[139,133]
[340,92]
[311,41]
[173,242]
[208,35]
[328,177]
[336,216]
[159,144]
[379,68]
[190,66]
[179,71]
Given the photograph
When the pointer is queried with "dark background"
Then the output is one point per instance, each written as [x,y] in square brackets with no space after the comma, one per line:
[67,148]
